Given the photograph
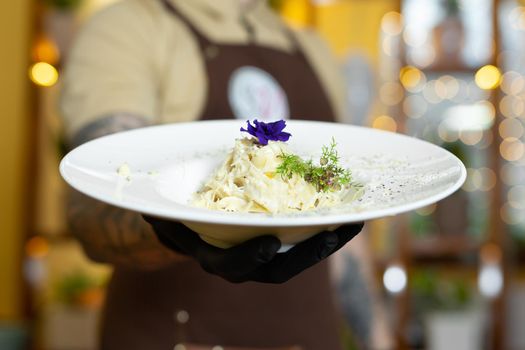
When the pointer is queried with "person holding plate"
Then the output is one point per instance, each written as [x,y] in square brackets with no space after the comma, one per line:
[139,63]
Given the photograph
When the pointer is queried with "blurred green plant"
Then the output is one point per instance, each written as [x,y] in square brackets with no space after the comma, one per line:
[451,7]
[457,148]
[421,225]
[517,232]
[79,289]
[433,293]
[63,5]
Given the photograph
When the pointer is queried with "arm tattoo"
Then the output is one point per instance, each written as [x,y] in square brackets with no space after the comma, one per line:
[107,125]
[107,233]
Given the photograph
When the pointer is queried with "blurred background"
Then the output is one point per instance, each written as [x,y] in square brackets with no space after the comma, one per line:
[447,71]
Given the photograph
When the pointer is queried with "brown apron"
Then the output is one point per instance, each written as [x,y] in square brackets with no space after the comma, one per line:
[184,304]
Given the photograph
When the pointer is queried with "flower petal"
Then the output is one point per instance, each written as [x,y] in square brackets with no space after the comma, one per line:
[267,131]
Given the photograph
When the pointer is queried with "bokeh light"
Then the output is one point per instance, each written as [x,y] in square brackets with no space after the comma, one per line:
[451,86]
[36,247]
[517,86]
[415,37]
[490,280]
[412,78]
[434,91]
[392,23]
[488,77]
[517,18]
[507,80]
[471,137]
[395,279]
[512,149]
[446,134]
[516,197]
[43,74]
[489,107]
[45,50]
[469,117]
[511,106]
[488,179]
[511,128]
[486,141]
[423,56]
[391,93]
[463,92]
[388,46]
[508,215]
[385,122]
[473,180]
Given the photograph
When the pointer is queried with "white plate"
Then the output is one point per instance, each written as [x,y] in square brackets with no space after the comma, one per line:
[168,163]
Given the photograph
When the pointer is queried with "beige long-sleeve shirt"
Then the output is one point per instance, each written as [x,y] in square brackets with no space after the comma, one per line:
[135,57]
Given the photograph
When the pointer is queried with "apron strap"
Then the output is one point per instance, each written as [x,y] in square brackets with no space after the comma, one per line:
[205,42]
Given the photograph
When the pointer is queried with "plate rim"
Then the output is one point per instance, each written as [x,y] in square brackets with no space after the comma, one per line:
[200,215]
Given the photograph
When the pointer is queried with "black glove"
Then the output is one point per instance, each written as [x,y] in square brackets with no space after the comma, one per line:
[256,259]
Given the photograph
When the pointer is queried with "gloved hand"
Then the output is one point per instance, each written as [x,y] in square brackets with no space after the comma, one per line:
[256,259]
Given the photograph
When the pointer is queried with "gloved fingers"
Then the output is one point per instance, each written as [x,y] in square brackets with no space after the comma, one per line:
[302,256]
[175,235]
[232,263]
[345,233]
[236,263]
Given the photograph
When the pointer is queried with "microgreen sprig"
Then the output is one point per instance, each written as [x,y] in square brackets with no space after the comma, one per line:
[327,176]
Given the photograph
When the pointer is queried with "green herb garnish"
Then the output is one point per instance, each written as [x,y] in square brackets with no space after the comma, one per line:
[327,176]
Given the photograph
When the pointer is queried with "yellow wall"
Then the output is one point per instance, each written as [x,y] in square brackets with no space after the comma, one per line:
[14,33]
[347,25]
[353,24]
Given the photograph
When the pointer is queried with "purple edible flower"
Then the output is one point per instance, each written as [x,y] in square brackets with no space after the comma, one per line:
[267,131]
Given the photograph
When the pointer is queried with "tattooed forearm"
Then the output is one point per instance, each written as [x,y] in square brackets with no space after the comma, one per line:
[107,125]
[116,236]
[107,233]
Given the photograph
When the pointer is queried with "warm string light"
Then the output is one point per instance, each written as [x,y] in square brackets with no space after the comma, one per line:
[37,247]
[412,78]
[43,74]
[482,179]
[46,55]
[511,106]
[488,77]
[391,93]
[511,149]
[511,129]
[447,87]
[385,122]
[45,50]
[392,23]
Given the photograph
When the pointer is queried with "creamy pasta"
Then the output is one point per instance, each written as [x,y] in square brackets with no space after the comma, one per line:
[248,181]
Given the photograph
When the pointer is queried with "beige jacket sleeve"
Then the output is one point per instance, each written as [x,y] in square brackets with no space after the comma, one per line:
[110,69]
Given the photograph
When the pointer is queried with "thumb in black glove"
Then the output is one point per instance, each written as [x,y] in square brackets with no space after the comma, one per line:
[256,259]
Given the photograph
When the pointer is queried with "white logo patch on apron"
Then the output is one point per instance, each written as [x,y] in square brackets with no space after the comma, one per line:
[255,94]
